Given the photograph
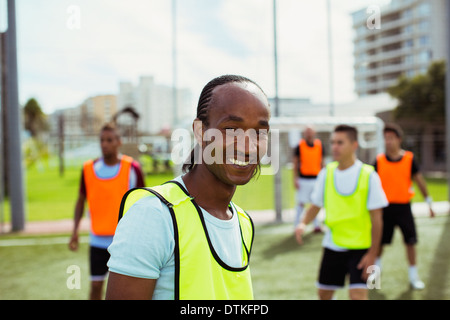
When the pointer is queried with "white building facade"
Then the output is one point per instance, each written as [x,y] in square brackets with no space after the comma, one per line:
[154,103]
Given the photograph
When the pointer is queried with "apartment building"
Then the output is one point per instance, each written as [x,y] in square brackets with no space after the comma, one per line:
[410,35]
[96,111]
[153,102]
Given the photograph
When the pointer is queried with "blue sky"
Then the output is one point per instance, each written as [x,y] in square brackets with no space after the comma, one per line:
[121,40]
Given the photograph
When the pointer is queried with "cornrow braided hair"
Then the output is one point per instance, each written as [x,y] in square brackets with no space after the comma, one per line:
[204,103]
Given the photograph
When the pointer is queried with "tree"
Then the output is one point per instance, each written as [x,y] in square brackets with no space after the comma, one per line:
[35,118]
[421,97]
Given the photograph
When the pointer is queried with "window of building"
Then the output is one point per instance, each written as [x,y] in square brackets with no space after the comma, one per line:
[424,9]
[424,25]
[408,13]
[424,40]
[408,29]
[409,59]
[424,56]
[410,73]
[409,43]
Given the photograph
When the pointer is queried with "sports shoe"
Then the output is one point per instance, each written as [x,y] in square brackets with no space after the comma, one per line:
[417,284]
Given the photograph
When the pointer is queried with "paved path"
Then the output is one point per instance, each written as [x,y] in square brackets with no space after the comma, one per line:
[259,217]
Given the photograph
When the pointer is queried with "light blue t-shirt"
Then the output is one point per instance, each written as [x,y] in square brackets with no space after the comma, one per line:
[143,245]
[104,171]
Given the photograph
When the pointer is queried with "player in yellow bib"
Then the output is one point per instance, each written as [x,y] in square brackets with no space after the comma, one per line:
[353,198]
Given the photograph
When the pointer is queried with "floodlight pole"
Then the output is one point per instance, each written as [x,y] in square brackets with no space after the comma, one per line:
[330,58]
[174,64]
[277,180]
[447,98]
[14,154]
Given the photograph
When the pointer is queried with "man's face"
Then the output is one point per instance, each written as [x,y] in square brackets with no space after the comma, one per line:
[109,143]
[342,147]
[392,142]
[309,135]
[239,117]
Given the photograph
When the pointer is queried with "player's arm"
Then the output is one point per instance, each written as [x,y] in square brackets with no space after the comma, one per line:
[421,183]
[78,214]
[140,179]
[310,215]
[377,228]
[122,287]
[296,166]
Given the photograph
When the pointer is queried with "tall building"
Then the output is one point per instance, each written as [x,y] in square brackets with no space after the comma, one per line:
[411,34]
[96,111]
[153,103]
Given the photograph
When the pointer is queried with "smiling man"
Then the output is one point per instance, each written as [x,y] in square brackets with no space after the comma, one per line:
[186,239]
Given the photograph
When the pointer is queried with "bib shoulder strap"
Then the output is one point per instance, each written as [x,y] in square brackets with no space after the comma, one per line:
[367,168]
[170,193]
[247,227]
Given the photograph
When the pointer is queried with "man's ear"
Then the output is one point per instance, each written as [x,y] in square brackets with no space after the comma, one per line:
[197,128]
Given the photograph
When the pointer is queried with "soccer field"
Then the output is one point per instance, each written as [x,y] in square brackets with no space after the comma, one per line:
[37,267]
[51,197]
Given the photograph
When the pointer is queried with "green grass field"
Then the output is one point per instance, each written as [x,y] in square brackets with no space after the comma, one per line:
[281,270]
[51,197]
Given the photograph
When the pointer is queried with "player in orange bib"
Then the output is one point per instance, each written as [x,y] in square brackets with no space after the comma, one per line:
[308,160]
[397,170]
[104,181]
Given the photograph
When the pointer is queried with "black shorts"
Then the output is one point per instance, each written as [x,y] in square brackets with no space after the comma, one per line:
[337,265]
[399,215]
[98,258]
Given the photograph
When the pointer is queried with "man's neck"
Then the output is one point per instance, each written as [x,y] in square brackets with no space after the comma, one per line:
[395,154]
[111,161]
[347,163]
[209,192]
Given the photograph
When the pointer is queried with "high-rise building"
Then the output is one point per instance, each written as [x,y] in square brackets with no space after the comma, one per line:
[410,34]
[154,104]
[96,111]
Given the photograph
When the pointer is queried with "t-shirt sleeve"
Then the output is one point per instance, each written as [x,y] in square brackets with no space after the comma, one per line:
[319,187]
[377,198]
[140,182]
[144,240]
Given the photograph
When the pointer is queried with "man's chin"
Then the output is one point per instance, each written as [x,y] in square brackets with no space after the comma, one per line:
[241,178]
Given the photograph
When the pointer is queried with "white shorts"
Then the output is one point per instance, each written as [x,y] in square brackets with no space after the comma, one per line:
[303,195]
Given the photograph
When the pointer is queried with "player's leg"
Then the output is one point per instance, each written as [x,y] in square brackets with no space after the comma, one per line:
[389,223]
[408,228]
[358,289]
[325,294]
[358,294]
[96,292]
[332,273]
[99,270]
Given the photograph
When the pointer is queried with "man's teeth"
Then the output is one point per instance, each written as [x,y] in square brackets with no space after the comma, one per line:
[239,163]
